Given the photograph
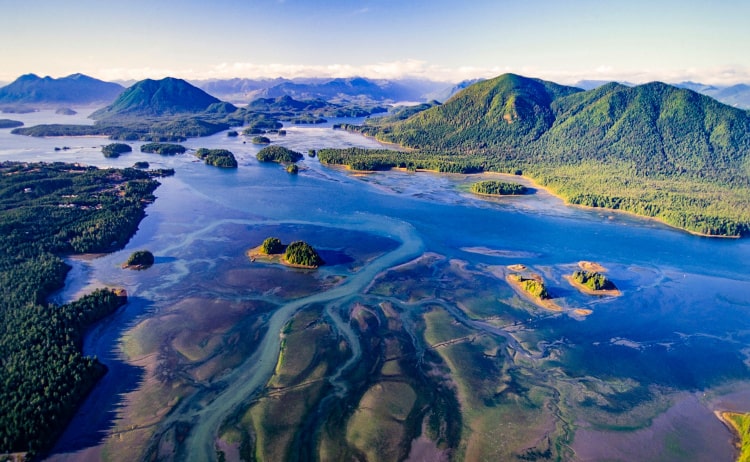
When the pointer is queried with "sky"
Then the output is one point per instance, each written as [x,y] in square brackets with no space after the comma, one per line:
[560,40]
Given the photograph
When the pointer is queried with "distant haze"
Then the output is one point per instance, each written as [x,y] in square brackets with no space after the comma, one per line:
[635,41]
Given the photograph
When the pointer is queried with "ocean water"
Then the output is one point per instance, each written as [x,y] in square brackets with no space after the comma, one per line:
[678,337]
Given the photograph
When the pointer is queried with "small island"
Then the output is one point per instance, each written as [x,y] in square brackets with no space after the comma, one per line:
[533,288]
[292,169]
[115,149]
[278,154]
[260,140]
[139,260]
[592,283]
[141,165]
[217,157]
[164,149]
[10,123]
[65,111]
[498,188]
[298,254]
[232,134]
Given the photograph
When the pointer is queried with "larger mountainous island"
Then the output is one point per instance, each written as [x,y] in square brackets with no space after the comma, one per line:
[31,89]
[172,110]
[654,149]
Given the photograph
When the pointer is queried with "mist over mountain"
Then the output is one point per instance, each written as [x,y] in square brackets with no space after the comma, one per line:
[354,89]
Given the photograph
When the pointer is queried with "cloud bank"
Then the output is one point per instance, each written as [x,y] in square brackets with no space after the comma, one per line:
[423,70]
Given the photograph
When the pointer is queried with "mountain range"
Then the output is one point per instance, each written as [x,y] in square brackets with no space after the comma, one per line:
[76,89]
[355,89]
[652,149]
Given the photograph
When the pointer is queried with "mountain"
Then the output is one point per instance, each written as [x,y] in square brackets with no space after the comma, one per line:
[168,96]
[354,89]
[510,111]
[73,89]
[653,149]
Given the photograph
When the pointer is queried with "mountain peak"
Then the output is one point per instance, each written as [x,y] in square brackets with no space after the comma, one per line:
[167,96]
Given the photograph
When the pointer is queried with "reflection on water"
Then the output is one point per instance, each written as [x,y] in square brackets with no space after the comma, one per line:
[413,305]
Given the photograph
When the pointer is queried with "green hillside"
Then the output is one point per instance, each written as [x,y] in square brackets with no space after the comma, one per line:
[654,149]
[168,96]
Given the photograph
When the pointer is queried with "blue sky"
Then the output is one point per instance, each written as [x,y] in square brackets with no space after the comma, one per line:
[564,41]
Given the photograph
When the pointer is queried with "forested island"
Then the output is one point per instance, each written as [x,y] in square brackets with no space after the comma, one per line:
[217,157]
[49,210]
[164,149]
[498,188]
[9,123]
[115,149]
[298,254]
[139,260]
[278,154]
[592,282]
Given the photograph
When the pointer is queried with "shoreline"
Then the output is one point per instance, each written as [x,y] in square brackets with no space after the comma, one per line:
[536,185]
[724,418]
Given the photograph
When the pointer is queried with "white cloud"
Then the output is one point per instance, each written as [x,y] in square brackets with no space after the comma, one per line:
[421,69]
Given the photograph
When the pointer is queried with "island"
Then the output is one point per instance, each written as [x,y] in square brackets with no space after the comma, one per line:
[298,254]
[141,165]
[533,288]
[498,188]
[292,169]
[139,260]
[278,154]
[260,140]
[65,111]
[115,149]
[165,149]
[217,157]
[10,123]
[592,282]
[232,134]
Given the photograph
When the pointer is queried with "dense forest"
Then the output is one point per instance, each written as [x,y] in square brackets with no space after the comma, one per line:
[593,280]
[115,149]
[278,154]
[164,149]
[654,149]
[302,253]
[217,157]
[47,210]
[498,188]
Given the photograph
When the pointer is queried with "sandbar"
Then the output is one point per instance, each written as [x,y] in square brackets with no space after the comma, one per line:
[592,267]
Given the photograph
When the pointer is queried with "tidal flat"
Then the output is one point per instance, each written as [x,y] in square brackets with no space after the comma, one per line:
[410,341]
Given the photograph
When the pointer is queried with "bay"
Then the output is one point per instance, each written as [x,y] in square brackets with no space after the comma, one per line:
[191,354]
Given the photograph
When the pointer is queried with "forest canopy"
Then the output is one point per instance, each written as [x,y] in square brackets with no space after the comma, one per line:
[48,210]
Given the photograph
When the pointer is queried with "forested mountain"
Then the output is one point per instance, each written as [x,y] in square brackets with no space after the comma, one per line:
[168,96]
[73,89]
[653,149]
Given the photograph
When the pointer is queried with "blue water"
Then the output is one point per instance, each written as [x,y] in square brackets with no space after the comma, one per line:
[682,323]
